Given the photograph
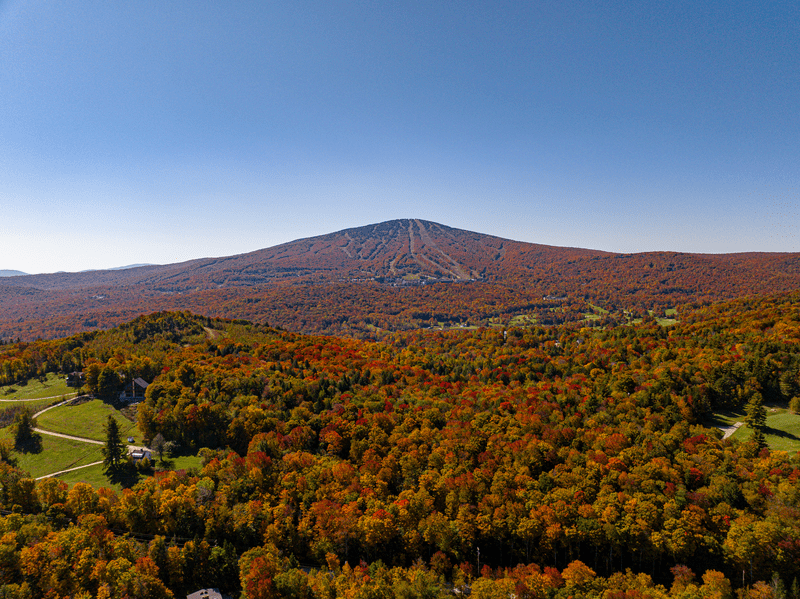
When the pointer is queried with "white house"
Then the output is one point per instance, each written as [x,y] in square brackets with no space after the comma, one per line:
[140,453]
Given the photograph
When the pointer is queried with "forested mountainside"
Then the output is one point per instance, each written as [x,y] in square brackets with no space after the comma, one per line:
[542,462]
[397,275]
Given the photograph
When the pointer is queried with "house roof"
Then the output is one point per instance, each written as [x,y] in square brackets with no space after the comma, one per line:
[205,594]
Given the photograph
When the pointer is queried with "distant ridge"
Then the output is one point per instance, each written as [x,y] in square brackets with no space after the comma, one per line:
[399,274]
[12,273]
[119,267]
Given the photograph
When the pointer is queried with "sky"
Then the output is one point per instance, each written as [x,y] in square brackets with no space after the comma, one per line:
[158,132]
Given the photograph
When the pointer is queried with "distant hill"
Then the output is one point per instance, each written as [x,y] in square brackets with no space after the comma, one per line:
[394,250]
[397,274]
[120,267]
[11,273]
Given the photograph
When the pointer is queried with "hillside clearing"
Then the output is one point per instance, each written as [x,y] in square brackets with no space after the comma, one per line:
[87,420]
[51,387]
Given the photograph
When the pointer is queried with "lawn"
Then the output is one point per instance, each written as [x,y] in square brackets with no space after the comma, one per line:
[92,475]
[782,433]
[523,320]
[181,462]
[54,455]
[33,404]
[52,386]
[95,476]
[87,420]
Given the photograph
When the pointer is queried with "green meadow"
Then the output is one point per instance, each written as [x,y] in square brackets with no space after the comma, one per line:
[54,454]
[782,432]
[51,386]
[88,420]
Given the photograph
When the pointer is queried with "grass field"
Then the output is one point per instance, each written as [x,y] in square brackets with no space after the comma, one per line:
[33,404]
[782,433]
[596,314]
[54,455]
[95,476]
[523,320]
[92,475]
[87,420]
[725,418]
[52,386]
[783,427]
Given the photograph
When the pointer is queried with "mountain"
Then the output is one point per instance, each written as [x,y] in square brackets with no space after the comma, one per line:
[394,250]
[11,273]
[398,274]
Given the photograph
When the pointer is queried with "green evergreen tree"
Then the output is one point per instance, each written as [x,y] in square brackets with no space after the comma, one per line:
[757,418]
[114,450]
[108,384]
[23,429]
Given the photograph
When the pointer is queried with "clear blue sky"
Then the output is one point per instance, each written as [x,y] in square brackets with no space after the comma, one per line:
[157,132]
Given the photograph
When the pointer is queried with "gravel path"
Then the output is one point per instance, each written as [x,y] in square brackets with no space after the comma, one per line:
[37,398]
[72,438]
[66,401]
[69,470]
[729,430]
[83,439]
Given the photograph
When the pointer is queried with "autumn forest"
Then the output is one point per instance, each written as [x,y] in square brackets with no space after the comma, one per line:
[441,448]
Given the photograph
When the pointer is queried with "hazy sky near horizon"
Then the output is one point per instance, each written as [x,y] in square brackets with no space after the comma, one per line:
[157,132]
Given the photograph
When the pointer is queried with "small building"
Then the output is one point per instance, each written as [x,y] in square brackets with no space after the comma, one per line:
[205,594]
[76,379]
[134,391]
[140,453]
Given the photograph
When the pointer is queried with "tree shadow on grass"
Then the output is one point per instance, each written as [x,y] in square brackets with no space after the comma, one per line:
[768,430]
[718,418]
[164,464]
[124,476]
[32,444]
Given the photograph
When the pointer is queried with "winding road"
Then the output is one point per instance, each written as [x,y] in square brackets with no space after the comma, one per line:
[71,437]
